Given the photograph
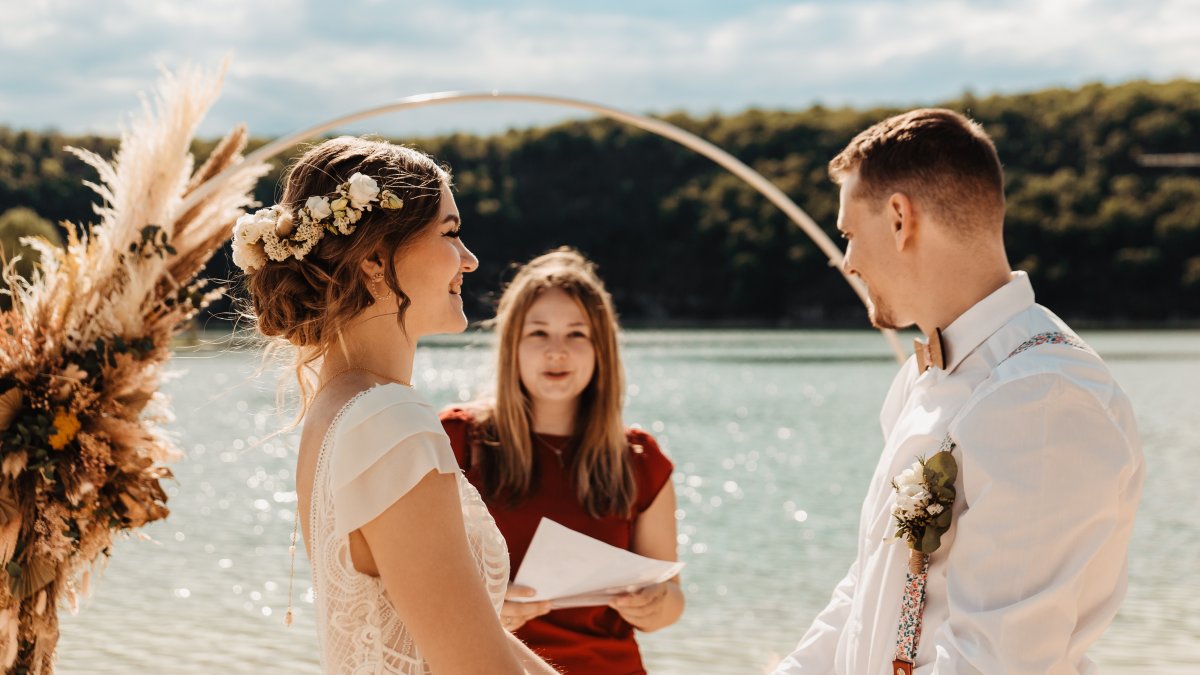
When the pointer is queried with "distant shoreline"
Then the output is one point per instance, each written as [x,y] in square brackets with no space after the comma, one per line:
[225,338]
[689,324]
[221,328]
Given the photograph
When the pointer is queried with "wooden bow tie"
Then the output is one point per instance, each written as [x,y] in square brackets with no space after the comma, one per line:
[931,353]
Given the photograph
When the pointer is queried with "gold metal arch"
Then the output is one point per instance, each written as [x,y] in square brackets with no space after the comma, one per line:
[654,126]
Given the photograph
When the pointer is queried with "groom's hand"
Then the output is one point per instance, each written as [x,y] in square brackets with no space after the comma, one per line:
[513,615]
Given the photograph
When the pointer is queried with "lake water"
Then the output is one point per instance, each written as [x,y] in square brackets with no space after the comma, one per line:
[774,436]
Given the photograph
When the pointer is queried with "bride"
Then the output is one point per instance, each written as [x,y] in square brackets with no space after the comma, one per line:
[359,260]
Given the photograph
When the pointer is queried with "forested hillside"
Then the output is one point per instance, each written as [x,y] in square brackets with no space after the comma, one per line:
[1106,237]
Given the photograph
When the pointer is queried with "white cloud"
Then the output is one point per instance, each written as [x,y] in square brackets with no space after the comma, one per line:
[297,62]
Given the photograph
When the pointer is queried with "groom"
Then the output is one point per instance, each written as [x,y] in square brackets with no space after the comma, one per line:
[1032,567]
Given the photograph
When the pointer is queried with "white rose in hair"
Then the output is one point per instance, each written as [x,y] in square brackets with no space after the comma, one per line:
[249,257]
[247,252]
[318,207]
[243,228]
[363,190]
[250,227]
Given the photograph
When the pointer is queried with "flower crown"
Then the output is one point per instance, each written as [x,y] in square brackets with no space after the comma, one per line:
[272,234]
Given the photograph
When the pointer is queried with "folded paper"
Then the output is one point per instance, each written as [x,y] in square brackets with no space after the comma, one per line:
[574,570]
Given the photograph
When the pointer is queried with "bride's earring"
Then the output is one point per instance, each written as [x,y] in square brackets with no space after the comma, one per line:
[375,288]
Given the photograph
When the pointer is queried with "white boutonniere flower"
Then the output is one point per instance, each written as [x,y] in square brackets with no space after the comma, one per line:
[924,497]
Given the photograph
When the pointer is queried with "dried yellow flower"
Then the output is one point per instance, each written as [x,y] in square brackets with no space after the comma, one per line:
[66,425]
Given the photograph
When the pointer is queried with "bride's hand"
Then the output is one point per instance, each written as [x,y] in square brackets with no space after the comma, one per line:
[514,614]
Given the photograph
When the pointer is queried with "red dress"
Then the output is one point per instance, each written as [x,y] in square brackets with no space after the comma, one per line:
[580,640]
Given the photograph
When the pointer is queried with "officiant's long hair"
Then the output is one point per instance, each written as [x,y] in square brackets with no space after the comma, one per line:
[600,467]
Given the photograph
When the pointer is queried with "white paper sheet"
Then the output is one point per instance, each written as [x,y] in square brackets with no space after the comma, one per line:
[574,570]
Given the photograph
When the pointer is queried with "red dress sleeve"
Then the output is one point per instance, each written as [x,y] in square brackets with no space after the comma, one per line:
[457,423]
[651,467]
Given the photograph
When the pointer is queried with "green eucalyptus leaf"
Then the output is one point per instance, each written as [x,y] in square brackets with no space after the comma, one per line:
[942,521]
[930,540]
[941,469]
[943,493]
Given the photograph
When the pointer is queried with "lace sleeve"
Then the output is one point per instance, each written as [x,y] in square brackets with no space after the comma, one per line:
[386,444]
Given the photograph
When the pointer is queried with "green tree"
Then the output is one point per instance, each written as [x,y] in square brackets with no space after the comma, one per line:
[16,224]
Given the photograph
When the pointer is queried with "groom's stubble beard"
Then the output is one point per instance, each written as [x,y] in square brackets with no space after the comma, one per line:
[880,315]
[882,321]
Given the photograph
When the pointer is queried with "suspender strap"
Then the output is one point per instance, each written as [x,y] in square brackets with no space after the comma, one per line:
[908,635]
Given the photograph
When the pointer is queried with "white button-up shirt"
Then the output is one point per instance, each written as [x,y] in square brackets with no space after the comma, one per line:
[1033,567]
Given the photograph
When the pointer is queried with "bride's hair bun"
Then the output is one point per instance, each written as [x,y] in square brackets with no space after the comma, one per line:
[307,301]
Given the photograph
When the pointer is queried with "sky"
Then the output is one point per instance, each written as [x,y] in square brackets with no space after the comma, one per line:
[78,66]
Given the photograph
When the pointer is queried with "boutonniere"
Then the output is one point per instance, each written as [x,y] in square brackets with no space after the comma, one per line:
[924,501]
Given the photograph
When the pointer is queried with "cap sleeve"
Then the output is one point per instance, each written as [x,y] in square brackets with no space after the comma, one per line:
[385,444]
[653,468]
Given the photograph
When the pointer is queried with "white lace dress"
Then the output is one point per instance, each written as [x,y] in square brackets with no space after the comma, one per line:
[378,448]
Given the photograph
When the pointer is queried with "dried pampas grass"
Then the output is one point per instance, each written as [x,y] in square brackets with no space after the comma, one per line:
[82,351]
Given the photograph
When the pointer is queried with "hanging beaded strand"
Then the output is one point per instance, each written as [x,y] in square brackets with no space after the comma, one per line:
[287,618]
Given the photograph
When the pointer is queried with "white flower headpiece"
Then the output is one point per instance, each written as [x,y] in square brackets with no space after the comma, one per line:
[268,234]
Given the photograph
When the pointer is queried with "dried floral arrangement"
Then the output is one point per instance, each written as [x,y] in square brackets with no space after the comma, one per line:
[83,454]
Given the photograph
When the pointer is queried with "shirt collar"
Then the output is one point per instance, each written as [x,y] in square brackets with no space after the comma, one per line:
[987,316]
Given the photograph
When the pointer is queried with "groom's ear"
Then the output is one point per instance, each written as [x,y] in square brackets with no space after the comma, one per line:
[902,220]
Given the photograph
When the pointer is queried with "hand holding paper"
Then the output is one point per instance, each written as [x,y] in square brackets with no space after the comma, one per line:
[574,570]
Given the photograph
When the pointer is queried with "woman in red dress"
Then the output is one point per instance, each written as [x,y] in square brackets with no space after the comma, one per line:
[553,444]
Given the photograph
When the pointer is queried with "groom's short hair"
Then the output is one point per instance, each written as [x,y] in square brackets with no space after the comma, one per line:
[940,159]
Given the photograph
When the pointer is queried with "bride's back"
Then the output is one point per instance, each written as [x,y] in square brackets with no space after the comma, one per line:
[318,420]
